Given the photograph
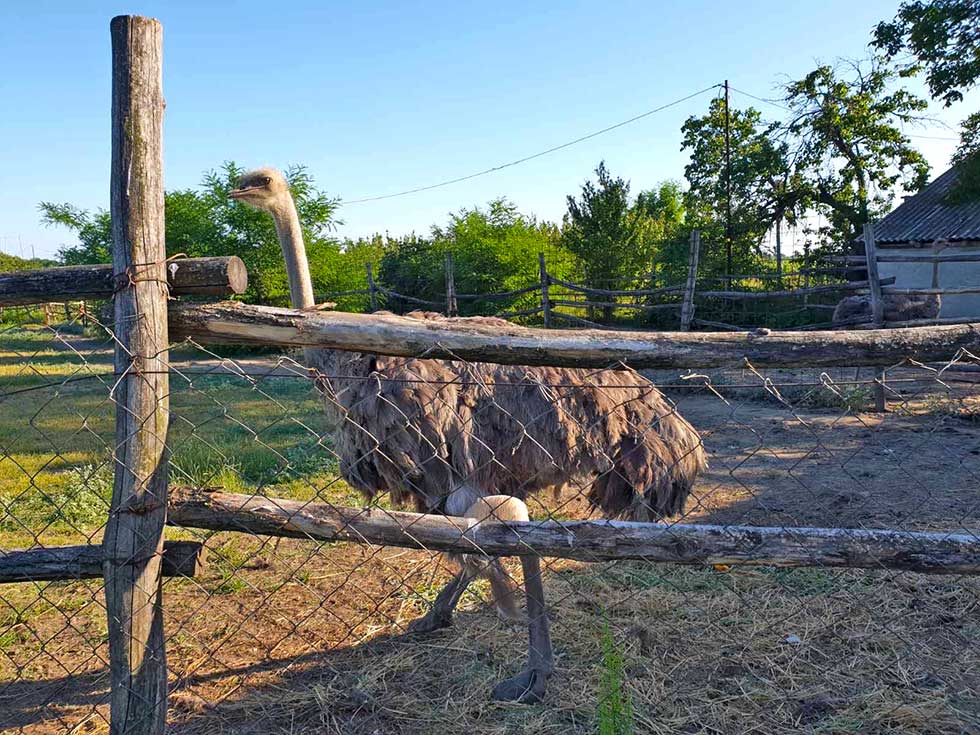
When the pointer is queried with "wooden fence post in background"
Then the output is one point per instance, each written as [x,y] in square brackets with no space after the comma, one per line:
[806,272]
[133,542]
[877,307]
[687,307]
[545,294]
[451,306]
[372,289]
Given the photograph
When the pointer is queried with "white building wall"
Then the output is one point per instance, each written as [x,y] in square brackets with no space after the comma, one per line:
[951,275]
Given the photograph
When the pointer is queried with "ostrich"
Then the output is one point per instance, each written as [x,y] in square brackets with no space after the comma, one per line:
[895,307]
[442,435]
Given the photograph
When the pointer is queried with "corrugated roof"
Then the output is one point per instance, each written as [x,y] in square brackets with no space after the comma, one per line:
[926,217]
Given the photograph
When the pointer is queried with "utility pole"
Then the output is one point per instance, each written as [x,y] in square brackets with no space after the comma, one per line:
[728,191]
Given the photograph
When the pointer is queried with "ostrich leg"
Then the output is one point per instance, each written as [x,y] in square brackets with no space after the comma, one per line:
[529,685]
[504,592]
[441,613]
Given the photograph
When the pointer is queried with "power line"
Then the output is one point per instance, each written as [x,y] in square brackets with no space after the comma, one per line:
[533,156]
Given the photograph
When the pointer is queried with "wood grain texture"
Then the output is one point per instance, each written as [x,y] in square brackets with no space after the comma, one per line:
[223,276]
[687,308]
[137,663]
[937,553]
[389,334]
[180,559]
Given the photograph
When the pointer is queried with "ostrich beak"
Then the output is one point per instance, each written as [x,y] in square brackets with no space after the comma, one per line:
[238,193]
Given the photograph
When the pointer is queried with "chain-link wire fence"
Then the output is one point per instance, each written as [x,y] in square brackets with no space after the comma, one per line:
[283,631]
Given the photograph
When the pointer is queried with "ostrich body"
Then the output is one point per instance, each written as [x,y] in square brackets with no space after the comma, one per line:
[895,307]
[441,435]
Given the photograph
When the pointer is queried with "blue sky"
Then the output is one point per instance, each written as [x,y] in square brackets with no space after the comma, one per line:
[378,97]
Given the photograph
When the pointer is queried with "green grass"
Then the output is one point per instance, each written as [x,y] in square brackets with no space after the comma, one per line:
[57,430]
[615,708]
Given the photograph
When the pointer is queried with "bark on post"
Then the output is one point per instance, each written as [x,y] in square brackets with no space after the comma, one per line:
[877,307]
[133,543]
[451,306]
[807,267]
[687,307]
[545,294]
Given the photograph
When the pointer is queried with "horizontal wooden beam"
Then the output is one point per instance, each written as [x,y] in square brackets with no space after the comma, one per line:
[763,295]
[186,277]
[614,305]
[723,326]
[973,257]
[931,291]
[464,339]
[614,292]
[930,322]
[938,553]
[180,559]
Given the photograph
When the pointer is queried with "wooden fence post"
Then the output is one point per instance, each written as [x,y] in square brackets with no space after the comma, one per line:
[545,294]
[451,306]
[372,289]
[687,307]
[806,272]
[877,307]
[133,542]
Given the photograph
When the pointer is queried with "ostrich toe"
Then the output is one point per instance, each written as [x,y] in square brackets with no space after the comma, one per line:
[528,687]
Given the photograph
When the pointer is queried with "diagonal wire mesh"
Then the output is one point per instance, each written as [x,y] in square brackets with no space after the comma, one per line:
[299,634]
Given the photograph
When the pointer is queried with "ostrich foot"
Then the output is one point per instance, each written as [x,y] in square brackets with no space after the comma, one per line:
[430,622]
[528,687]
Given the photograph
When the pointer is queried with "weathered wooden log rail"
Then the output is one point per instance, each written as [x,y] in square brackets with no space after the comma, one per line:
[810,291]
[615,292]
[389,334]
[936,553]
[930,291]
[61,563]
[224,276]
[947,258]
[614,305]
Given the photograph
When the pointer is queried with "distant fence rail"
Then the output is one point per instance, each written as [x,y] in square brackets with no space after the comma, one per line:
[591,306]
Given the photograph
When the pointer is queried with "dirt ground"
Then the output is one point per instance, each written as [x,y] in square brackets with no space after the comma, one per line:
[294,637]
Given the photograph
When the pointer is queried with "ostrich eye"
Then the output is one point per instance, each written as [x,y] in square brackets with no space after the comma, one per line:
[267,180]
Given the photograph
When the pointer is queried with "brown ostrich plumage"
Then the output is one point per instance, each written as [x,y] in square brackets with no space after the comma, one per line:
[422,429]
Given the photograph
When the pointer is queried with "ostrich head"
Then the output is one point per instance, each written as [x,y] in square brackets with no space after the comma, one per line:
[263,188]
[267,189]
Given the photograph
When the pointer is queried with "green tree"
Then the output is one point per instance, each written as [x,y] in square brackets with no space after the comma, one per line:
[664,205]
[850,150]
[665,208]
[610,237]
[758,176]
[494,249]
[205,222]
[941,37]
[93,230]
[967,157]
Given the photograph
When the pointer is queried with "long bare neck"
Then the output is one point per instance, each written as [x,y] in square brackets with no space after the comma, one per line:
[290,236]
[294,252]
